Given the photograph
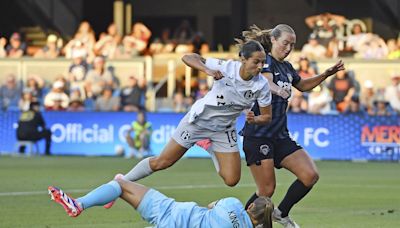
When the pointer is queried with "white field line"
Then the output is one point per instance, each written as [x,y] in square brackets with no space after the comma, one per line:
[159,187]
[177,187]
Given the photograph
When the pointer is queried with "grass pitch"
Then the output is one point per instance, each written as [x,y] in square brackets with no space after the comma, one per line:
[347,195]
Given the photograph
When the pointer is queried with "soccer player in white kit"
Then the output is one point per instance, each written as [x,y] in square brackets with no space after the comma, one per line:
[237,85]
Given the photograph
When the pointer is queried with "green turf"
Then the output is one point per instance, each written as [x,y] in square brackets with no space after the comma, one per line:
[347,195]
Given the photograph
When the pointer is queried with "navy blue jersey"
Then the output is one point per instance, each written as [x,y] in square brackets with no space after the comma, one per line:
[284,75]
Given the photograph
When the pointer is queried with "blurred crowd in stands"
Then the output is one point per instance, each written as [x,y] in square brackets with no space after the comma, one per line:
[335,36]
[110,44]
[90,86]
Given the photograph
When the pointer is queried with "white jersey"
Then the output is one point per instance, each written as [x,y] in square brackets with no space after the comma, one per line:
[228,97]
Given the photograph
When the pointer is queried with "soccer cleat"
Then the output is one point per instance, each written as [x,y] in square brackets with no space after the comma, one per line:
[287,222]
[69,204]
[110,204]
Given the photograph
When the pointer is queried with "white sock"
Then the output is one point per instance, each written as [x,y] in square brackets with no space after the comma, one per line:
[141,170]
[214,159]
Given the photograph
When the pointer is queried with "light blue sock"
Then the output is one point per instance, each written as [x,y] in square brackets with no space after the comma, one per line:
[101,195]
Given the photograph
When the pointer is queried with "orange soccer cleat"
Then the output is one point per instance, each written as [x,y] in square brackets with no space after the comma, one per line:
[69,204]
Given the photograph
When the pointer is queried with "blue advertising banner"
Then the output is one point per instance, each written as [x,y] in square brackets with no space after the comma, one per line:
[338,137]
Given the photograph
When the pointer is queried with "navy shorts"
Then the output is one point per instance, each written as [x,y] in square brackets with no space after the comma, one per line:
[257,149]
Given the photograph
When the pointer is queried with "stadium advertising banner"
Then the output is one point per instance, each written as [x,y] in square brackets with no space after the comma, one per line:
[338,137]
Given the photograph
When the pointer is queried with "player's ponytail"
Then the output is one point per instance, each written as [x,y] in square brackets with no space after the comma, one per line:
[264,35]
[259,211]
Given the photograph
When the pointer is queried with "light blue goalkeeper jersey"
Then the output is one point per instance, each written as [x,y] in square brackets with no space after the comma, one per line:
[162,211]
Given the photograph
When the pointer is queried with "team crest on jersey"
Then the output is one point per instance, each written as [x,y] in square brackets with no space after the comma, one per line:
[185,135]
[264,149]
[249,94]
[220,100]
[290,77]
[266,65]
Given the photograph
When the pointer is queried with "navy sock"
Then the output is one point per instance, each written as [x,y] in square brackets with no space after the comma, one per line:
[295,193]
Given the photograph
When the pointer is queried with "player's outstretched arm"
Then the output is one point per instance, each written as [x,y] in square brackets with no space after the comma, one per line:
[309,83]
[197,62]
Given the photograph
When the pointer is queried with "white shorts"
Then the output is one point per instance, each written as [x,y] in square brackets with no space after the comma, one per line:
[187,134]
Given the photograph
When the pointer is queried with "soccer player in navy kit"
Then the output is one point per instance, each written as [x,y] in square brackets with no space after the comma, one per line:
[271,145]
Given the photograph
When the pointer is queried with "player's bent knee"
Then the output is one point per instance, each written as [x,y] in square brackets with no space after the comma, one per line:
[231,181]
[267,190]
[310,178]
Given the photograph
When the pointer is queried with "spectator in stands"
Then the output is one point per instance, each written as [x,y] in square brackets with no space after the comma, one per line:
[140,141]
[136,42]
[77,48]
[398,40]
[16,48]
[10,93]
[183,37]
[381,105]
[26,99]
[342,89]
[107,102]
[125,51]
[164,44]
[76,105]
[179,102]
[108,42]
[297,103]
[156,47]
[368,97]
[77,73]
[305,69]
[394,50]
[355,35]
[200,45]
[3,43]
[32,127]
[319,101]
[132,95]
[57,99]
[354,106]
[36,84]
[392,93]
[184,33]
[325,26]
[86,35]
[313,50]
[98,78]
[51,50]
[76,102]
[84,40]
[203,89]
[372,47]
[333,49]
